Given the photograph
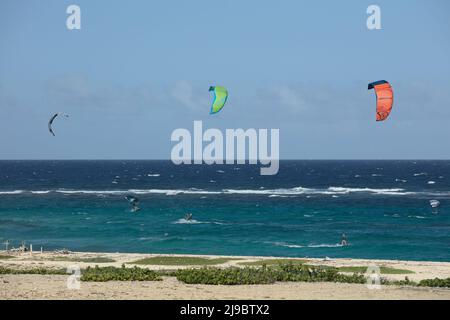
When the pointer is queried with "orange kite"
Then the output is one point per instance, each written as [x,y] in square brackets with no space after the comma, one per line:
[385,98]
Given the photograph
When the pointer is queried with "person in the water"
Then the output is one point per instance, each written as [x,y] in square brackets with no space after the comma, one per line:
[344,241]
[188,216]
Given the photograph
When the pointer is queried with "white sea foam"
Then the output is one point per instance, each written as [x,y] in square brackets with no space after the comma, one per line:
[420,174]
[392,191]
[322,245]
[11,192]
[281,192]
[325,245]
[184,221]
[153,175]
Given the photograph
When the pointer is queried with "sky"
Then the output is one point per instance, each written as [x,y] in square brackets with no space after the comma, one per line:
[137,70]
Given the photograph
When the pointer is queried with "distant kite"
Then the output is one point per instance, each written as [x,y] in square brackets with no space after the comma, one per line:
[434,203]
[50,122]
[220,98]
[385,98]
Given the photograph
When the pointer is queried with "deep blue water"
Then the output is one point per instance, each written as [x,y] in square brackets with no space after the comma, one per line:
[382,206]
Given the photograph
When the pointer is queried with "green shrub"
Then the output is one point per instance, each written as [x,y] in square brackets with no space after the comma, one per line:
[180,261]
[436,282]
[118,274]
[383,270]
[265,275]
[272,262]
[290,272]
[4,270]
[86,260]
[228,276]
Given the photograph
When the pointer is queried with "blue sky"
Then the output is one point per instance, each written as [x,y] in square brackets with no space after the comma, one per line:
[137,70]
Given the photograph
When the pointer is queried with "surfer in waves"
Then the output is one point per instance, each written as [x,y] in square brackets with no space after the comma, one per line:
[344,241]
[134,203]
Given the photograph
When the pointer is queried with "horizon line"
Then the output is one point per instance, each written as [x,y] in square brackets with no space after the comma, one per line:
[286,159]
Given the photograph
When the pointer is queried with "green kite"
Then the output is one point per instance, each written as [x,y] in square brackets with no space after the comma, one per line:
[220,97]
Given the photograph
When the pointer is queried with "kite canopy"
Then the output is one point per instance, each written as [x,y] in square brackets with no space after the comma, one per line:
[385,98]
[220,97]
[435,203]
[50,122]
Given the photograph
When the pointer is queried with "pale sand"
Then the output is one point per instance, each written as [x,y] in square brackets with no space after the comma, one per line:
[54,286]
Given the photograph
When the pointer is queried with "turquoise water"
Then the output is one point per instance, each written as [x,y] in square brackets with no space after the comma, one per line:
[382,207]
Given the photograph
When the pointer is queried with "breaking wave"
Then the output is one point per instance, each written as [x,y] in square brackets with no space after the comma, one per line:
[322,245]
[280,192]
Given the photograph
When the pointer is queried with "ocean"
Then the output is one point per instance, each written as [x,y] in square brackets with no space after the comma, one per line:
[382,207]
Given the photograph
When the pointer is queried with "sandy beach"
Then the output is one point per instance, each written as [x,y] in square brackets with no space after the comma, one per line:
[28,286]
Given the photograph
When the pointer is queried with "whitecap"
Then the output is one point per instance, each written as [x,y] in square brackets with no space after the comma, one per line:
[11,192]
[325,245]
[420,174]
[184,221]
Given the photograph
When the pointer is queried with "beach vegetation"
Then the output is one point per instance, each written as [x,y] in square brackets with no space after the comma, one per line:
[227,276]
[265,275]
[86,260]
[436,282]
[42,271]
[102,274]
[5,257]
[272,262]
[383,270]
[180,261]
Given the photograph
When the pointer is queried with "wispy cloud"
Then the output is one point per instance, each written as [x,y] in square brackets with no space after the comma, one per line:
[185,95]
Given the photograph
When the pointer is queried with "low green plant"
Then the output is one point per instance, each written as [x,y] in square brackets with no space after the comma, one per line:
[436,282]
[228,276]
[5,257]
[383,270]
[103,274]
[86,260]
[4,270]
[180,261]
[272,262]
[405,282]
[265,275]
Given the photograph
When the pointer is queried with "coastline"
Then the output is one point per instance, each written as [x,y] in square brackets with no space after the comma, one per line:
[34,286]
